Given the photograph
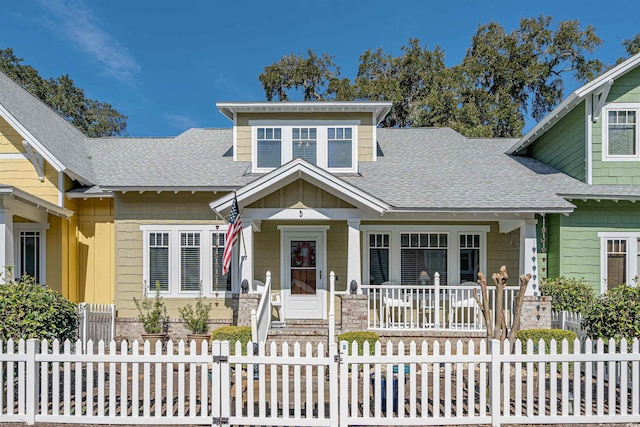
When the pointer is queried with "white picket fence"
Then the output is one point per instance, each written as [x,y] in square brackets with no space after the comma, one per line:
[415,384]
[568,321]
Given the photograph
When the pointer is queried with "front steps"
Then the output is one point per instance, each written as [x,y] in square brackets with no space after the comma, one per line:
[302,331]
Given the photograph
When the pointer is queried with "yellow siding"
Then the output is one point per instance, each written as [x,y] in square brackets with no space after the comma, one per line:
[133,210]
[300,194]
[10,140]
[20,173]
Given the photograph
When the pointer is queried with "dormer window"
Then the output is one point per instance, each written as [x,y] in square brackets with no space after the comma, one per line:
[330,145]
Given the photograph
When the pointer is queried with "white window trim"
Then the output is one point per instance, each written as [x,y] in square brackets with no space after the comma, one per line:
[206,253]
[606,157]
[322,144]
[453,247]
[632,239]
[32,226]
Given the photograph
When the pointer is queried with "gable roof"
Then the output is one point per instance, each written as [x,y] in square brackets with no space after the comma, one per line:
[575,98]
[300,169]
[57,140]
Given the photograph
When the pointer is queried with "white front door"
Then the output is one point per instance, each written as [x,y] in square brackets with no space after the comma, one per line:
[303,276]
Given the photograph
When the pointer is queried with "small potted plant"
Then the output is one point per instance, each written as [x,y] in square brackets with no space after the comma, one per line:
[152,313]
[196,319]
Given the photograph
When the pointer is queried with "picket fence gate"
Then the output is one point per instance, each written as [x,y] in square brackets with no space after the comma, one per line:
[287,385]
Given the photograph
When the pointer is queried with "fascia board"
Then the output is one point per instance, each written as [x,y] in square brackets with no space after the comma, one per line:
[291,172]
[572,100]
[50,158]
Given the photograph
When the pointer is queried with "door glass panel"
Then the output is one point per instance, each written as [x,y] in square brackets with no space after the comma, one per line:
[303,267]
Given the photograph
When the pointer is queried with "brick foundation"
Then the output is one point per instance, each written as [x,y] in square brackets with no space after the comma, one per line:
[243,304]
[129,328]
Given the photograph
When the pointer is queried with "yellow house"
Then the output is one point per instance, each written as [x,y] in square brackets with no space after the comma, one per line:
[320,188]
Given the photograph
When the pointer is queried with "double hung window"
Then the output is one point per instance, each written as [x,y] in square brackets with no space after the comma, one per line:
[423,252]
[181,258]
[620,258]
[620,133]
[378,258]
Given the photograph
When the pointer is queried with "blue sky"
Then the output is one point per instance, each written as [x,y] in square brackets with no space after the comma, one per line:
[166,63]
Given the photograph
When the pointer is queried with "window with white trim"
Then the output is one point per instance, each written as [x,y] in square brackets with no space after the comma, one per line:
[620,133]
[29,255]
[30,245]
[423,252]
[402,253]
[181,257]
[378,258]
[620,252]
[159,261]
[469,257]
[327,144]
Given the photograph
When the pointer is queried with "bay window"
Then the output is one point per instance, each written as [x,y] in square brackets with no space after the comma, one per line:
[179,258]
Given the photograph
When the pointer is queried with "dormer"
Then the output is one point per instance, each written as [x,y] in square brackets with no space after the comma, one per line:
[334,136]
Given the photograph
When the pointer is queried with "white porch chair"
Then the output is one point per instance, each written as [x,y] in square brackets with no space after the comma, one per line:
[400,303]
[464,310]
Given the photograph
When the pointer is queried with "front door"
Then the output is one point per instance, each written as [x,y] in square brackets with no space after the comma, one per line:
[304,279]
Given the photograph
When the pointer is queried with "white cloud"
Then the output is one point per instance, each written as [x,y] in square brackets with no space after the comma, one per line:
[76,22]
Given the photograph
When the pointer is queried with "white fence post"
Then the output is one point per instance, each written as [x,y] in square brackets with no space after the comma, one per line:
[436,299]
[332,308]
[33,382]
[494,382]
[83,308]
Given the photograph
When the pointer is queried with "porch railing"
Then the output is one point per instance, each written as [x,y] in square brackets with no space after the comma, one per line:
[261,318]
[416,307]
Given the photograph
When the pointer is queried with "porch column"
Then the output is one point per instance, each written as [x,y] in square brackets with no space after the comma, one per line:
[6,243]
[245,253]
[354,269]
[529,256]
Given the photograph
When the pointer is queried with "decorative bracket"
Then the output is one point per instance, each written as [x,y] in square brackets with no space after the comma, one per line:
[36,160]
[602,98]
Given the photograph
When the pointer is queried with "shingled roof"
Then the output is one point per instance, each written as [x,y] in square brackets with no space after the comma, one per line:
[59,141]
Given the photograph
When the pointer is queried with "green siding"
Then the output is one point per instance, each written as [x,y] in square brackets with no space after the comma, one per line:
[563,146]
[553,253]
[574,250]
[625,89]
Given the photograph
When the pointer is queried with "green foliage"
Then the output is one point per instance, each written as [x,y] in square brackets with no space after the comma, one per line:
[547,335]
[33,311]
[233,334]
[94,118]
[503,77]
[152,313]
[196,319]
[568,294]
[361,338]
[615,314]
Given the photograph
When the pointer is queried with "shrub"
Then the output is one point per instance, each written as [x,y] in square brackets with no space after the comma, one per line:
[233,334]
[360,338]
[615,314]
[196,319]
[33,311]
[568,294]
[547,335]
[152,313]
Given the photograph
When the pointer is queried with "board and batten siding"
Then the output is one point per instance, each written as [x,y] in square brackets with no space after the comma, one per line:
[300,194]
[365,130]
[133,210]
[625,89]
[563,146]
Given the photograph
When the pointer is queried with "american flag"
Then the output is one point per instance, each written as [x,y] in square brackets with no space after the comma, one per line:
[235,226]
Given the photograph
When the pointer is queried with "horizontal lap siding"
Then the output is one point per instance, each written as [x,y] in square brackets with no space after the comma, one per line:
[134,209]
[579,242]
[563,146]
[625,89]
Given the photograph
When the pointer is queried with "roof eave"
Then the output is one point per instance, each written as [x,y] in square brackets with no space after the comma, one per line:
[572,100]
